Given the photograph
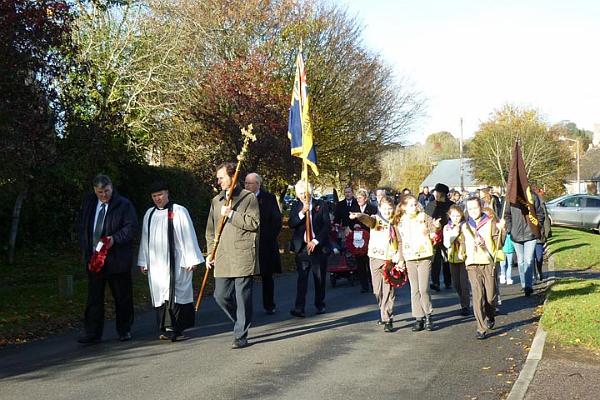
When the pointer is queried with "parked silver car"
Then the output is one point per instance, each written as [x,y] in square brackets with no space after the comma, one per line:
[576,211]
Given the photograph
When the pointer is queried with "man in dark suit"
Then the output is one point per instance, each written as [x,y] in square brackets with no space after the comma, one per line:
[343,208]
[425,197]
[311,255]
[106,214]
[439,209]
[268,247]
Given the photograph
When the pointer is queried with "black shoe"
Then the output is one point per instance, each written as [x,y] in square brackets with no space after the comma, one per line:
[388,327]
[418,325]
[448,286]
[296,313]
[240,343]
[270,311]
[178,337]
[125,337]
[465,311]
[88,339]
[528,291]
[435,287]
[321,310]
[428,324]
[490,323]
[480,335]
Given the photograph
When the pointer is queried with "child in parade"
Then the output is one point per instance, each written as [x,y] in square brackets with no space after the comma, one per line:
[506,264]
[489,211]
[382,246]
[480,236]
[455,243]
[416,230]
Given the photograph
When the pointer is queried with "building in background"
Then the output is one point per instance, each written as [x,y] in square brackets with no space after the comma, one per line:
[448,173]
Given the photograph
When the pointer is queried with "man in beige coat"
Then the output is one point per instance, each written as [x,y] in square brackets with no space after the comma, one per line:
[236,259]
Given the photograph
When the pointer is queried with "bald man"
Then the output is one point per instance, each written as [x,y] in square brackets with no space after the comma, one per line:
[268,248]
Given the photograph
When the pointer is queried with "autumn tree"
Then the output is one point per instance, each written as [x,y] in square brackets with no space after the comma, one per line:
[408,166]
[546,157]
[33,34]
[569,129]
[238,66]
[442,146]
[109,93]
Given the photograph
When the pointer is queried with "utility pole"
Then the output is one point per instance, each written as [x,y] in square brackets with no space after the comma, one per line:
[578,169]
[462,168]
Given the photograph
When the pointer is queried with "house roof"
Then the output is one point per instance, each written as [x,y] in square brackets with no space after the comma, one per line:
[448,172]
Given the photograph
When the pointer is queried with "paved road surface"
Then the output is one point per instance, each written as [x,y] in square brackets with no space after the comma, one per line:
[339,355]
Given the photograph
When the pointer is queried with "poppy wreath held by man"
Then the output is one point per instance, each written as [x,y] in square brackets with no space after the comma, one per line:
[97,260]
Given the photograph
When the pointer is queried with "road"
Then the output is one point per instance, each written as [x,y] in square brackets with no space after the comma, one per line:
[342,354]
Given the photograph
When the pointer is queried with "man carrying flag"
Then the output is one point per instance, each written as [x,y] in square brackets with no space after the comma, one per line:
[308,218]
[524,216]
[310,246]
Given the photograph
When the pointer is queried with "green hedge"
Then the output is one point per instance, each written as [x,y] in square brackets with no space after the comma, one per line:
[50,210]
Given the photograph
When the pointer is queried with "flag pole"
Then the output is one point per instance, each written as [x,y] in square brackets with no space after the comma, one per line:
[309,198]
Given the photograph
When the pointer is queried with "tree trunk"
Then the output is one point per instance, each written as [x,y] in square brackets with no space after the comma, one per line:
[12,240]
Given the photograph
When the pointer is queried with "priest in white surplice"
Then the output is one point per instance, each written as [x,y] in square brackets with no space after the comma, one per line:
[169,254]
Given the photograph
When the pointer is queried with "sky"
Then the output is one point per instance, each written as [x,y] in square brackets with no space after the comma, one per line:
[470,57]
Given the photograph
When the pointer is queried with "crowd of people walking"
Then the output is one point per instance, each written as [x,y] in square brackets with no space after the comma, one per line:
[468,239]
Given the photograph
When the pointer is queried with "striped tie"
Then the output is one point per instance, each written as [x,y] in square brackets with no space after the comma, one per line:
[99,224]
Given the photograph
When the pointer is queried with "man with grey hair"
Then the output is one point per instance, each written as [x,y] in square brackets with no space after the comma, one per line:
[108,220]
[379,194]
[311,249]
[268,247]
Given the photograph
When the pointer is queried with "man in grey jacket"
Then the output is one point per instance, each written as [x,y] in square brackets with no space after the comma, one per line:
[519,225]
[236,259]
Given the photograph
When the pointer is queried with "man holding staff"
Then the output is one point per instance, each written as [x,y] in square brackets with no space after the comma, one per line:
[236,258]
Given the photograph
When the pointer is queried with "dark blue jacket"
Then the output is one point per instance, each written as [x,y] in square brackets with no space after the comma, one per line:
[320,222]
[120,222]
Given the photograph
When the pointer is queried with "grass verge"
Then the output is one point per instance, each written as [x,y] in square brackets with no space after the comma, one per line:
[30,306]
[571,314]
[574,249]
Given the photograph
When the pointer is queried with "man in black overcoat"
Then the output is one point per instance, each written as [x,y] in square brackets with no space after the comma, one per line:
[105,213]
[439,209]
[268,248]
[310,255]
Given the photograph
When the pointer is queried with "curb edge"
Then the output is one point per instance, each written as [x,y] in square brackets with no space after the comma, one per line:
[521,385]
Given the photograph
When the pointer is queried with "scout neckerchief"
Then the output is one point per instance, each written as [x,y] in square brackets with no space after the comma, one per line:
[477,225]
[455,243]
[392,237]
